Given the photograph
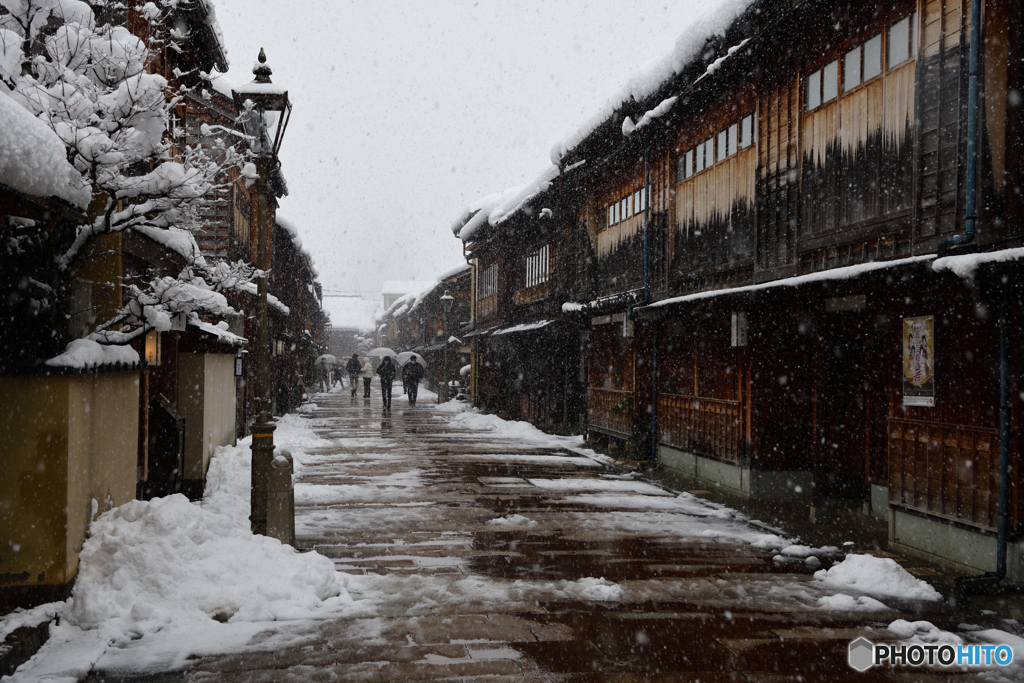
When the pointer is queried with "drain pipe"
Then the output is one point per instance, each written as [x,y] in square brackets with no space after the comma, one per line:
[970,205]
[970,220]
[1004,435]
[653,455]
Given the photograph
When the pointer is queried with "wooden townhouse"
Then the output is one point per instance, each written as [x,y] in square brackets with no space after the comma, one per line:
[756,275]
[416,322]
[526,354]
[298,322]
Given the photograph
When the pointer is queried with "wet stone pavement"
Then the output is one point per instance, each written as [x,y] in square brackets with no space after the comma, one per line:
[497,559]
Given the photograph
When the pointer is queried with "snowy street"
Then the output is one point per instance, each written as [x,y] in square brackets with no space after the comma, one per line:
[469,546]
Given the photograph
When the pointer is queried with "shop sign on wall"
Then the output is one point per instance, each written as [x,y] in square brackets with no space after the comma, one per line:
[919,361]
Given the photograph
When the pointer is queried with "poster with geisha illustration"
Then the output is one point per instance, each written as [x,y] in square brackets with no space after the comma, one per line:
[919,361]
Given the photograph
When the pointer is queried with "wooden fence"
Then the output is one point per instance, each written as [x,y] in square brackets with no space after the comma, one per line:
[600,413]
[945,470]
[705,426]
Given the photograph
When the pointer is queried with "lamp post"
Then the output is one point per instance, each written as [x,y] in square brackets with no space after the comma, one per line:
[265,110]
[446,306]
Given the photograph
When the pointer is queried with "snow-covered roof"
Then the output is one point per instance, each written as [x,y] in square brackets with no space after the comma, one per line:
[494,209]
[33,159]
[272,301]
[650,78]
[524,327]
[181,242]
[222,86]
[220,331]
[406,286]
[207,14]
[833,274]
[293,231]
[966,265]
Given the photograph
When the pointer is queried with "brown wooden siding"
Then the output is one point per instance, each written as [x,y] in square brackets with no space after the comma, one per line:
[946,470]
[942,101]
[600,413]
[778,142]
[857,160]
[715,214]
[710,427]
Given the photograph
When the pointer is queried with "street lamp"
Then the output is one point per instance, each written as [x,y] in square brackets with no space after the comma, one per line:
[264,111]
[446,306]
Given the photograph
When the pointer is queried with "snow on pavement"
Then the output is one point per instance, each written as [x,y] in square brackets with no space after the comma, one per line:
[165,580]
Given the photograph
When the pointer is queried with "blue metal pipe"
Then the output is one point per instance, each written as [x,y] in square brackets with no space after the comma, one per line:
[970,205]
[1004,434]
[653,455]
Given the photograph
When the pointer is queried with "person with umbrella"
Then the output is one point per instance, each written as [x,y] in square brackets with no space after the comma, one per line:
[367,376]
[387,377]
[412,372]
[353,367]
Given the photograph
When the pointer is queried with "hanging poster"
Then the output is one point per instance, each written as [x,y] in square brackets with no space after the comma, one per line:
[919,361]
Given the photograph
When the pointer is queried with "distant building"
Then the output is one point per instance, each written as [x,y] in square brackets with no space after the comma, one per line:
[351,325]
[395,289]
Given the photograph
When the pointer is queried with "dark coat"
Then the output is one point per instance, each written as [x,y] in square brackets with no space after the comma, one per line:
[353,366]
[386,372]
[414,371]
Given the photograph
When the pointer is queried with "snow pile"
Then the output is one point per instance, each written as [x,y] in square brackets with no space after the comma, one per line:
[628,127]
[83,354]
[167,562]
[804,551]
[589,588]
[33,159]
[877,576]
[923,632]
[847,603]
[453,406]
[471,418]
[567,484]
[515,521]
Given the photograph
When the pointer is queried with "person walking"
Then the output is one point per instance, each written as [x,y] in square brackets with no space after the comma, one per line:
[413,373]
[387,377]
[367,376]
[353,367]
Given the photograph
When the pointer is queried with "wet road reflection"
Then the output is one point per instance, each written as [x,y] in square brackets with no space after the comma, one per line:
[501,558]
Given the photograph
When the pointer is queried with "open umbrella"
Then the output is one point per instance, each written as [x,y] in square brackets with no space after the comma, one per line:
[404,357]
[327,359]
[381,351]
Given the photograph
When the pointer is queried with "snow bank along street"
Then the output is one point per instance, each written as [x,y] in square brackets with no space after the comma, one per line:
[448,544]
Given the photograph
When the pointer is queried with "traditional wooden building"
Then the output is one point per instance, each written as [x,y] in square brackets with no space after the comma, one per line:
[297,325]
[754,245]
[416,322]
[526,355]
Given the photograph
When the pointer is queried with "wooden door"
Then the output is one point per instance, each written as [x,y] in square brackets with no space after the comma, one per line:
[842,407]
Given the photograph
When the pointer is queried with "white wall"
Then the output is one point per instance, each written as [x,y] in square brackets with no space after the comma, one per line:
[206,398]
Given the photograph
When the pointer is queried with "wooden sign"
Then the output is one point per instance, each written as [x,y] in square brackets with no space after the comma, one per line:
[919,361]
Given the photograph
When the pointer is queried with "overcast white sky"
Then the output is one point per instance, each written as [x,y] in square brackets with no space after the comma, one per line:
[405,112]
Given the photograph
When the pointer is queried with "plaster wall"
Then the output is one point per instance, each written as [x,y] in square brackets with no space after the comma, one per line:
[67,440]
[206,398]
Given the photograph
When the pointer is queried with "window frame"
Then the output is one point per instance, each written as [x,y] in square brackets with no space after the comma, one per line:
[911,43]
